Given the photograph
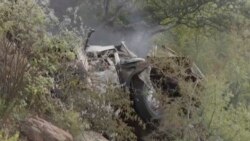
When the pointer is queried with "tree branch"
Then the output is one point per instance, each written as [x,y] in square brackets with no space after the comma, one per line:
[161,29]
[116,14]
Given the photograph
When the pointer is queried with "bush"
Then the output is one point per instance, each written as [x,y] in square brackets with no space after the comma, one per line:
[224,58]
[29,58]
[52,86]
[181,104]
[112,108]
[226,97]
[17,38]
[4,137]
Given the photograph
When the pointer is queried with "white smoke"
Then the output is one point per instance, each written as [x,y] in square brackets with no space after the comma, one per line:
[137,39]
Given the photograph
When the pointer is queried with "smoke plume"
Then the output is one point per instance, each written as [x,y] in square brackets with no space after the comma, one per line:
[136,38]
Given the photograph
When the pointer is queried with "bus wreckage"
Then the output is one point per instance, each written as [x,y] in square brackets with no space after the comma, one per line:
[116,65]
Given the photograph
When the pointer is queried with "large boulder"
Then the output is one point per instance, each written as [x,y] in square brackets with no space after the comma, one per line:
[37,129]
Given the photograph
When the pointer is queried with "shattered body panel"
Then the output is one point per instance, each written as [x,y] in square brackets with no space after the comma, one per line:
[109,58]
[99,48]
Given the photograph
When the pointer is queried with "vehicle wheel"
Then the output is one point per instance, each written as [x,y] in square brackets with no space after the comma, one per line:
[145,107]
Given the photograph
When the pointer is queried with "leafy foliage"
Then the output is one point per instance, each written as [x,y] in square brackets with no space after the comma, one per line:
[224,59]
[181,119]
[194,13]
[9,138]
[52,85]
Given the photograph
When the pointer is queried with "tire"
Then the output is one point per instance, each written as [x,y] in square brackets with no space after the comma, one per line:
[141,103]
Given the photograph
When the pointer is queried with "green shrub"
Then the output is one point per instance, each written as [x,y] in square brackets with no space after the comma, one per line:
[224,58]
[112,108]
[226,98]
[182,109]
[4,137]
[27,74]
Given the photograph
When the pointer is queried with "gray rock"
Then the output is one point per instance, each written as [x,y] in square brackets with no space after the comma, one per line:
[37,129]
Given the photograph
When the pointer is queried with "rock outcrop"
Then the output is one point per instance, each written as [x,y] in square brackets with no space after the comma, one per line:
[37,129]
